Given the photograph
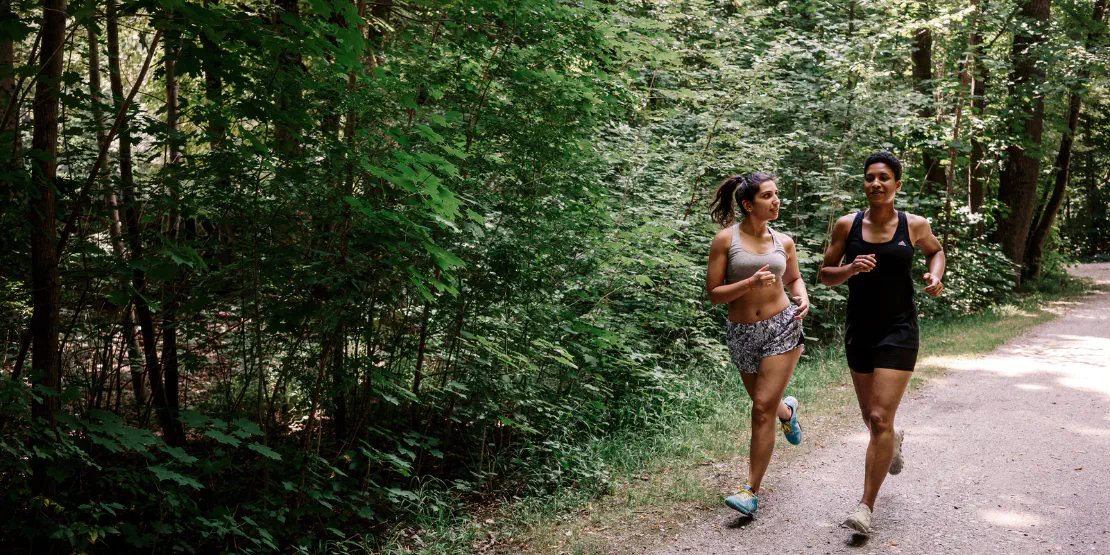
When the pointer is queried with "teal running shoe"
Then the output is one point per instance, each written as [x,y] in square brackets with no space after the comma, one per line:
[746,501]
[791,429]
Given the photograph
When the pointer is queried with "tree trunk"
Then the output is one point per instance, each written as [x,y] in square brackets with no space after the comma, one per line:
[340,377]
[7,89]
[45,371]
[977,172]
[1018,184]
[349,127]
[1035,248]
[134,233]
[287,134]
[418,373]
[922,58]
[214,92]
[176,286]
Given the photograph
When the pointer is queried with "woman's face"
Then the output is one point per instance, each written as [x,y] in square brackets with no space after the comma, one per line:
[879,183]
[765,205]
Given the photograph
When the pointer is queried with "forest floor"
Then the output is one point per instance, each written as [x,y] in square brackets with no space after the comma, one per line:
[1006,451]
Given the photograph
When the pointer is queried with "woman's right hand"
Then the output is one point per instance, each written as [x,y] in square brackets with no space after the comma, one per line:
[863,263]
[762,278]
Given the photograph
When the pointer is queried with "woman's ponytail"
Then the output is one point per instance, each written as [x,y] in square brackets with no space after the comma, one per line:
[721,209]
[735,190]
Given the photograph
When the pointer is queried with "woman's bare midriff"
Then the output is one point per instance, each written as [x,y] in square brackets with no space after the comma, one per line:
[758,304]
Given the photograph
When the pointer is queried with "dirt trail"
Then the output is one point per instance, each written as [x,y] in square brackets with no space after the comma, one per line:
[1006,453]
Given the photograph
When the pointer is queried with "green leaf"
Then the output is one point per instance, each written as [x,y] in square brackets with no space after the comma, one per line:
[165,474]
[223,438]
[119,297]
[106,443]
[192,419]
[264,451]
[248,426]
[137,439]
[180,454]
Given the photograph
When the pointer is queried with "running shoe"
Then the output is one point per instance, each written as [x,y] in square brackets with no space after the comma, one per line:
[860,521]
[746,501]
[791,429]
[896,462]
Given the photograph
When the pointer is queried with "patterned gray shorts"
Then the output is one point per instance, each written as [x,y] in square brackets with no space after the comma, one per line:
[750,343]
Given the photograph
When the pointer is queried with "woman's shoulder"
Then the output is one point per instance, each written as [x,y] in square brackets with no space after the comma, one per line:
[845,222]
[723,238]
[913,220]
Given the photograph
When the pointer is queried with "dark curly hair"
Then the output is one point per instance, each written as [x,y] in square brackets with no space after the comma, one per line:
[888,159]
[734,190]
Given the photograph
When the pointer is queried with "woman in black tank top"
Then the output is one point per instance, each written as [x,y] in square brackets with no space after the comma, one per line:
[880,330]
[881,311]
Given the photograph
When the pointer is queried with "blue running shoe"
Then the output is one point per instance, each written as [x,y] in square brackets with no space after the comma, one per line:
[746,501]
[791,429]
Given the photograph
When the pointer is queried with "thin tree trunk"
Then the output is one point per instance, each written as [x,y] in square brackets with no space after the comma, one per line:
[1035,248]
[1018,184]
[966,81]
[418,375]
[291,68]
[214,92]
[176,286]
[7,91]
[349,127]
[134,231]
[45,280]
[977,171]
[308,429]
[922,58]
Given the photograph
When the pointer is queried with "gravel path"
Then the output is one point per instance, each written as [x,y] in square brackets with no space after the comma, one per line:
[1006,453]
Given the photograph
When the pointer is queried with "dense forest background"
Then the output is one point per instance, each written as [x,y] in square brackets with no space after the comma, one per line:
[284,274]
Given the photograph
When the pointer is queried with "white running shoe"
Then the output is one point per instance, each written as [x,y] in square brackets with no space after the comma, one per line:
[896,462]
[860,521]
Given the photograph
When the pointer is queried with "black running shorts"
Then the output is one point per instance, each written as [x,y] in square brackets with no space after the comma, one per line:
[866,359]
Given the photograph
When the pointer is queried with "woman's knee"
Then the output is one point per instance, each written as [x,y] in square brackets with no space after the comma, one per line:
[880,420]
[764,410]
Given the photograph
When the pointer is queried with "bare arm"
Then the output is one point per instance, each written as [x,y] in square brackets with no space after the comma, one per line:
[832,273]
[922,235]
[795,285]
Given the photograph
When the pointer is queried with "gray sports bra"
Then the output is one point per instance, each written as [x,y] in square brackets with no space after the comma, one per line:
[743,264]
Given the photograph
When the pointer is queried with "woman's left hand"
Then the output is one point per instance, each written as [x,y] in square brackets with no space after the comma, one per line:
[933,286]
[803,308]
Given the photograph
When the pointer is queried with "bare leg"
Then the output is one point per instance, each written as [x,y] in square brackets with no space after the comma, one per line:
[862,384]
[879,395]
[766,389]
[783,411]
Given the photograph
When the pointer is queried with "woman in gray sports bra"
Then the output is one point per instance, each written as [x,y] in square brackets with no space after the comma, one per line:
[749,264]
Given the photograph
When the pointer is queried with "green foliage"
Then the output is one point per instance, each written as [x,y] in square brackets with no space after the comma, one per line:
[435,253]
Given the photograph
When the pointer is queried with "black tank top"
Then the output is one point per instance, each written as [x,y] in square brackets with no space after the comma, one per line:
[881,310]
